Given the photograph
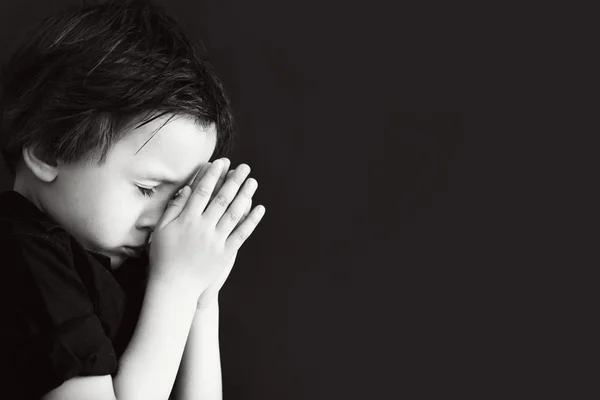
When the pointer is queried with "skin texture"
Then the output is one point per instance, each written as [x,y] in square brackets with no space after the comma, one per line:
[102,206]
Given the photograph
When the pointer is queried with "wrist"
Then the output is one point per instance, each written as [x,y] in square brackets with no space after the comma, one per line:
[185,287]
[180,290]
[208,296]
[208,307]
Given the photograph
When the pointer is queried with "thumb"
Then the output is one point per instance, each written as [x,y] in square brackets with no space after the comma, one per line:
[174,207]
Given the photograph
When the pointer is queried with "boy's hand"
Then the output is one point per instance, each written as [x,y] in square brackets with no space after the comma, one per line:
[197,239]
[225,174]
[212,292]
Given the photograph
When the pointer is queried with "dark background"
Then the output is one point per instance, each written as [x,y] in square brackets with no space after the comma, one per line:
[396,241]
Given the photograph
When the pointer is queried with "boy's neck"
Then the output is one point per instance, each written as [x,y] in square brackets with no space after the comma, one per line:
[22,187]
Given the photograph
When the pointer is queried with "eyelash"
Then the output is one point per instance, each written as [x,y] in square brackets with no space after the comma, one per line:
[147,192]
[151,192]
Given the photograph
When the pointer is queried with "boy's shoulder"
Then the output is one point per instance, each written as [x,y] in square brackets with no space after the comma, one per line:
[31,240]
[41,259]
[19,217]
[61,311]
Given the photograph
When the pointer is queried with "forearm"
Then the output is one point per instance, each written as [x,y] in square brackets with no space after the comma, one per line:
[199,376]
[148,367]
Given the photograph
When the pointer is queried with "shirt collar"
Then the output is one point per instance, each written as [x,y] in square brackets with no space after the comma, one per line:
[21,207]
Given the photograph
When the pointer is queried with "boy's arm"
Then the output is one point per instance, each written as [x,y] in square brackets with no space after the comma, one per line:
[148,367]
[199,376]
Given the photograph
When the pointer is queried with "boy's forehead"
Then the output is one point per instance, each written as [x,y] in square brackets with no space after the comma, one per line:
[159,172]
[169,152]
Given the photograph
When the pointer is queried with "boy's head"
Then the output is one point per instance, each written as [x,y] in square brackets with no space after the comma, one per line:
[98,103]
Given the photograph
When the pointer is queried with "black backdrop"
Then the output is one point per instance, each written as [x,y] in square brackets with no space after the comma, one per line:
[386,226]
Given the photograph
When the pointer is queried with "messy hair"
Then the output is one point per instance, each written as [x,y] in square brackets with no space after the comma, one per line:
[85,75]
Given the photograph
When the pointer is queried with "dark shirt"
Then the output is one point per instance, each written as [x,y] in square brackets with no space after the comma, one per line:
[63,311]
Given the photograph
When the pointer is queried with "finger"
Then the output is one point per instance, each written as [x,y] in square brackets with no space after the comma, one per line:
[243,232]
[199,174]
[174,207]
[223,177]
[226,195]
[201,193]
[236,210]
[245,215]
[220,184]
[173,210]
[202,171]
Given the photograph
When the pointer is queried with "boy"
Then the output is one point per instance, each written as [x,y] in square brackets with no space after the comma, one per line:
[108,120]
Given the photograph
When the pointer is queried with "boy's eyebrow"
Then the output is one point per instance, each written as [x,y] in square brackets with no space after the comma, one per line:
[161,179]
[159,175]
[165,179]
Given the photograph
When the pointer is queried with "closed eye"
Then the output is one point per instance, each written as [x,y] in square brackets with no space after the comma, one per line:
[150,192]
[147,192]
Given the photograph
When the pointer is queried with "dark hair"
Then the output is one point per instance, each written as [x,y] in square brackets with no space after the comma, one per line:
[85,74]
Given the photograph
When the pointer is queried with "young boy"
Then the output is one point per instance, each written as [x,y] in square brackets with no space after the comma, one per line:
[118,233]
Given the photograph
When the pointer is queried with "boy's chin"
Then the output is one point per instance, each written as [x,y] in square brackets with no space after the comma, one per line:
[121,260]
[117,260]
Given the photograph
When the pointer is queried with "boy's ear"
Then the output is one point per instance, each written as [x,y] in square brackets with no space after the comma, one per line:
[42,169]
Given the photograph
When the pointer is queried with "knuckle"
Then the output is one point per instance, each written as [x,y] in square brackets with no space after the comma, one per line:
[233,216]
[221,200]
[203,191]
[241,234]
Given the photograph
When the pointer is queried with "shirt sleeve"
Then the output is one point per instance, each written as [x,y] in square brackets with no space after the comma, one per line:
[50,332]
